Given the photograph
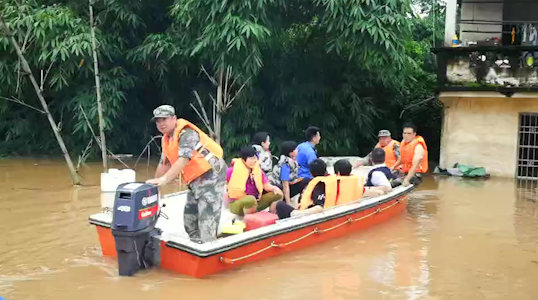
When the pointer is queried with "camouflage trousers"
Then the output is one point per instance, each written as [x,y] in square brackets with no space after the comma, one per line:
[204,204]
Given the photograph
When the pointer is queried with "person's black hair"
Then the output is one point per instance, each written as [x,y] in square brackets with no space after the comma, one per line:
[410,125]
[247,152]
[318,167]
[259,138]
[311,132]
[287,147]
[342,167]
[378,156]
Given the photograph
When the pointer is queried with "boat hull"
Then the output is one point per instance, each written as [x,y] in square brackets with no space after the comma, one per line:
[177,257]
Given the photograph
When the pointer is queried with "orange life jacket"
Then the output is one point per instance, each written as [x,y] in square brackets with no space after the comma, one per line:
[240,175]
[407,152]
[350,189]
[338,190]
[390,156]
[198,164]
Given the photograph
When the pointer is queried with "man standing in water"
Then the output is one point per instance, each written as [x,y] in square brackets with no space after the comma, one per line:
[188,151]
[414,155]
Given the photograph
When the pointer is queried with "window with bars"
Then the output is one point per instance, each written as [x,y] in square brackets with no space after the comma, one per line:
[527,162]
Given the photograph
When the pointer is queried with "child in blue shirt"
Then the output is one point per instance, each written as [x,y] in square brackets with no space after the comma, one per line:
[285,172]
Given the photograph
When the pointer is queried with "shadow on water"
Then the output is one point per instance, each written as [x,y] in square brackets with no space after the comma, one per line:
[459,239]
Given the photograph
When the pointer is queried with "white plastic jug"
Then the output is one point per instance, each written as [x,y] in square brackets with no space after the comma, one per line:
[107,200]
[115,177]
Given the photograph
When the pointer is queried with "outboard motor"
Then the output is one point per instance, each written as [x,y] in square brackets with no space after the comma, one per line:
[136,209]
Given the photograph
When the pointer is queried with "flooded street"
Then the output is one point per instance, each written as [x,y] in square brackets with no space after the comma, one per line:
[459,239]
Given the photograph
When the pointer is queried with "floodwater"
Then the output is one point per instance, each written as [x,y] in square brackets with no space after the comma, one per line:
[459,239]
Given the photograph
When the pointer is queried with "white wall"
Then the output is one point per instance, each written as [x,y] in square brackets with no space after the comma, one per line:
[481,11]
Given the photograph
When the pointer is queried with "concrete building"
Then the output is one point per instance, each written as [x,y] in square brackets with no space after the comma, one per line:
[489,86]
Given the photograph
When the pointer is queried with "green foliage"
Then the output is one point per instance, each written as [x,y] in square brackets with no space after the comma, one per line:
[224,32]
[57,44]
[54,41]
[348,66]
[367,28]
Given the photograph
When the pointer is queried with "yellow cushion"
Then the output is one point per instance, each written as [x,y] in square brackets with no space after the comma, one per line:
[232,229]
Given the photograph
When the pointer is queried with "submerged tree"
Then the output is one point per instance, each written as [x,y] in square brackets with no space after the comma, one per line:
[53,40]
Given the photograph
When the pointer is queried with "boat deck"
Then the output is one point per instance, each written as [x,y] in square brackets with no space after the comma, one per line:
[173,232]
[179,254]
[172,226]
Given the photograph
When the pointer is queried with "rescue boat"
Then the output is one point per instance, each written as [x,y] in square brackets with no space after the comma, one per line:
[172,250]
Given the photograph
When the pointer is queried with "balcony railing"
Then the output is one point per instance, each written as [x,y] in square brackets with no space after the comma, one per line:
[504,69]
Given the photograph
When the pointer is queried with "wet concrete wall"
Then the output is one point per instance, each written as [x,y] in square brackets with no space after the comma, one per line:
[482,129]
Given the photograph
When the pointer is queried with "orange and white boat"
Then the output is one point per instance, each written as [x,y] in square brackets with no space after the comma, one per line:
[175,252]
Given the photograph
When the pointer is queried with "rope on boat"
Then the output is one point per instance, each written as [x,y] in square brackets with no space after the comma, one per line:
[314,231]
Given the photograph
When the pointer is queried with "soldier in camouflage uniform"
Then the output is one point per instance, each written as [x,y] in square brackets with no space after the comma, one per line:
[205,195]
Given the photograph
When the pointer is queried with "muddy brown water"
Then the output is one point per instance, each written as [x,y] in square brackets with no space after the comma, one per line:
[459,239]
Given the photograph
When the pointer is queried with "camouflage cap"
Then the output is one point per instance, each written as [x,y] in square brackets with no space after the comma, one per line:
[163,111]
[384,132]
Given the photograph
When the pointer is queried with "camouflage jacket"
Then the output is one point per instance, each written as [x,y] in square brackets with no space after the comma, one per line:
[188,139]
[274,177]
[265,158]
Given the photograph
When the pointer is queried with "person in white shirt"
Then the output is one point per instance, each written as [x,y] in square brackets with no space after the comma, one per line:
[380,175]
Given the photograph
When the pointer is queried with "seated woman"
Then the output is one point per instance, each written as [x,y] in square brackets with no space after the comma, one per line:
[285,173]
[261,142]
[246,184]
[317,168]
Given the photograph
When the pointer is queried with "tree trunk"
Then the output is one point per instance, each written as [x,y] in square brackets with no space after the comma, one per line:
[28,71]
[220,104]
[98,91]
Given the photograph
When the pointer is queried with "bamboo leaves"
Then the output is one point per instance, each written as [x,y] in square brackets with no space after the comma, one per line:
[358,25]
[343,65]
[225,33]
